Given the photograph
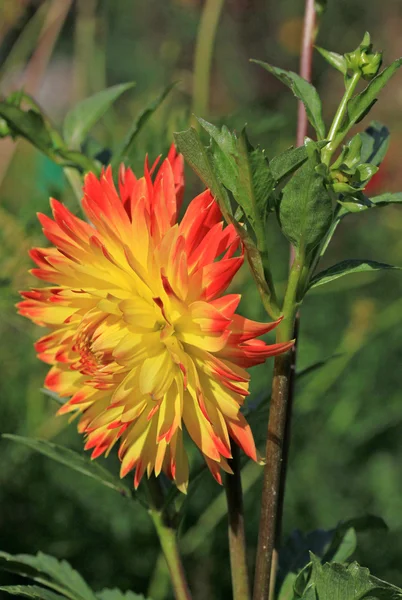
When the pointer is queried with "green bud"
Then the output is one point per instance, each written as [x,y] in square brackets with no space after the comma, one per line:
[363,60]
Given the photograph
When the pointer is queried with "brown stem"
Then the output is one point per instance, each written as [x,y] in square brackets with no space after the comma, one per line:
[278,416]
[279,426]
[237,537]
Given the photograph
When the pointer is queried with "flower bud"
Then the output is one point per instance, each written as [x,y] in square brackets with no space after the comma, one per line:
[363,60]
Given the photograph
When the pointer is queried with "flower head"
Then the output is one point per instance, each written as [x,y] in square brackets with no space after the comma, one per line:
[142,342]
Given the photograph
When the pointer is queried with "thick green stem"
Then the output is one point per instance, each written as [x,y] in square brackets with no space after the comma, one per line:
[168,540]
[203,56]
[237,537]
[333,137]
[275,440]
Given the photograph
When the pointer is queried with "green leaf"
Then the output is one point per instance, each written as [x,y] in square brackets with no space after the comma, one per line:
[78,462]
[304,91]
[344,543]
[305,210]
[336,60]
[125,153]
[48,571]
[346,547]
[31,591]
[286,592]
[190,145]
[34,127]
[347,267]
[84,115]
[360,105]
[29,125]
[375,143]
[119,595]
[287,162]
[386,199]
[352,582]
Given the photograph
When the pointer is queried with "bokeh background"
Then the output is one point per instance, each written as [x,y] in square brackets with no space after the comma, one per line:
[346,451]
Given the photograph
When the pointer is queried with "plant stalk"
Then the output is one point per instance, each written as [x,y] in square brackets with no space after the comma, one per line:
[333,137]
[278,415]
[203,56]
[237,537]
[279,426]
[168,540]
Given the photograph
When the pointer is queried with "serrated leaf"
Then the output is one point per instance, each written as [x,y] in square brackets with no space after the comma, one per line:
[305,210]
[78,462]
[125,153]
[119,595]
[334,59]
[47,570]
[352,582]
[84,115]
[375,143]
[360,105]
[31,591]
[348,267]
[304,91]
[190,145]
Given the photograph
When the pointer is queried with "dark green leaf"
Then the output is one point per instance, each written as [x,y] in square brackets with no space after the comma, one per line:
[352,582]
[48,571]
[190,145]
[31,591]
[126,152]
[347,267]
[304,91]
[386,199]
[32,126]
[305,210]
[287,162]
[359,106]
[75,461]
[84,115]
[334,59]
[29,125]
[119,595]
[375,142]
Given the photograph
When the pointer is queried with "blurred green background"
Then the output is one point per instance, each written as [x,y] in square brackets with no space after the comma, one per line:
[346,450]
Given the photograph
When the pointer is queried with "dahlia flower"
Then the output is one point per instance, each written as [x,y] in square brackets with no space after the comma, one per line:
[142,343]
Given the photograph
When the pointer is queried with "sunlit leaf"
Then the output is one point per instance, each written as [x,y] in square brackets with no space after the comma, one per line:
[361,104]
[84,115]
[334,59]
[304,91]
[305,210]
[348,267]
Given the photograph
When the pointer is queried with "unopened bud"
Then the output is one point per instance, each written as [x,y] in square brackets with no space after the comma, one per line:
[363,60]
